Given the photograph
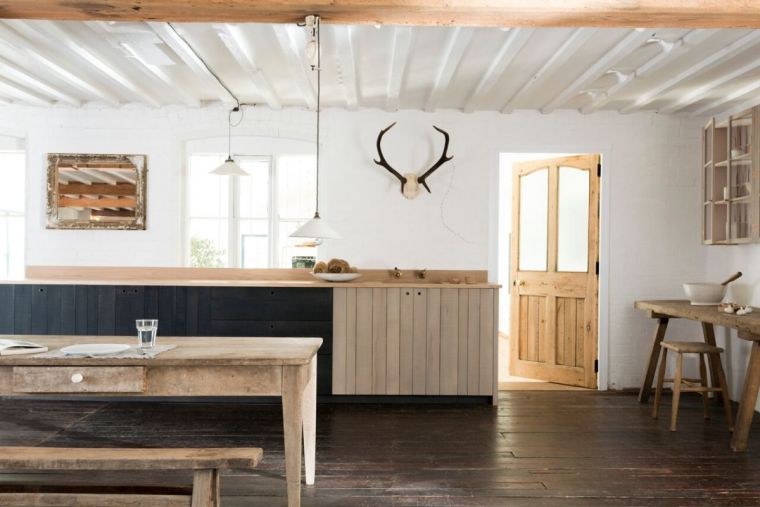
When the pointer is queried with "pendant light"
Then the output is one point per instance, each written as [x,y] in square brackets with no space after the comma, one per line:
[316,228]
[229,167]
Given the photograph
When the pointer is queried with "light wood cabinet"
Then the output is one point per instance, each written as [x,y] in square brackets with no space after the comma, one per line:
[731,179]
[415,341]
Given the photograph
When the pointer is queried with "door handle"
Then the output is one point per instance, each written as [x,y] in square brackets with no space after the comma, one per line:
[518,283]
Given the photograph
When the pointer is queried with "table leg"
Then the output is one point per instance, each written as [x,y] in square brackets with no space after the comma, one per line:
[659,334]
[293,382]
[748,400]
[310,422]
[708,331]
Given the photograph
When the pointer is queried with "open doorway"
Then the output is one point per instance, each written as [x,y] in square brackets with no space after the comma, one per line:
[548,251]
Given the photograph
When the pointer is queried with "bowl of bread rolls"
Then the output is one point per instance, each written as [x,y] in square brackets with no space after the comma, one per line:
[336,270]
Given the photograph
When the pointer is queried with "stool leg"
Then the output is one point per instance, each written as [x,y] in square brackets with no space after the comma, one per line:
[703,381]
[676,392]
[723,390]
[660,381]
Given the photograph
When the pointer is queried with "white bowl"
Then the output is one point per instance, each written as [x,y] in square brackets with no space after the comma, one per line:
[337,277]
[705,294]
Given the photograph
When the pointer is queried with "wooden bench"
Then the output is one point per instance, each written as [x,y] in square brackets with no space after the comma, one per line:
[205,464]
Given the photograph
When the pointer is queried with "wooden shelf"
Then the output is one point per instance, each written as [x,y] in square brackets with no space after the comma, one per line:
[740,174]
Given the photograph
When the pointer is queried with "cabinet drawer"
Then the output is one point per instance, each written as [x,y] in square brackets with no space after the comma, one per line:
[78,379]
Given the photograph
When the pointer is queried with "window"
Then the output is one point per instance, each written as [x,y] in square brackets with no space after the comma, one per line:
[12,214]
[246,221]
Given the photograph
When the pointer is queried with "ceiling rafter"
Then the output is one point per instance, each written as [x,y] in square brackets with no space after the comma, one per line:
[719,103]
[234,41]
[668,52]
[54,34]
[630,43]
[344,43]
[716,58]
[456,45]
[292,48]
[22,44]
[9,88]
[186,53]
[515,41]
[572,44]
[700,93]
[20,76]
[402,47]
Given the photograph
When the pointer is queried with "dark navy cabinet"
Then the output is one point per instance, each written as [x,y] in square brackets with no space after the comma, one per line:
[182,311]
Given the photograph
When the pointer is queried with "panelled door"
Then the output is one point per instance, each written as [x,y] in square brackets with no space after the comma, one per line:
[554,255]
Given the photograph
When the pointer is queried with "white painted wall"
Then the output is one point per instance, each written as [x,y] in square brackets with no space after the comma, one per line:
[650,189]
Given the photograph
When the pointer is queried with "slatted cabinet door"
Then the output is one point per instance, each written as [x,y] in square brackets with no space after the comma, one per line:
[414,341]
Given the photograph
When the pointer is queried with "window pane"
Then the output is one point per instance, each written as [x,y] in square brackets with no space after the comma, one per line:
[11,247]
[296,186]
[572,232]
[208,243]
[534,196]
[207,194]
[254,189]
[254,243]
[12,175]
[289,247]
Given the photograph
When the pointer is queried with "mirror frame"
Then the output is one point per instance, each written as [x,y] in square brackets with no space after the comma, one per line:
[141,169]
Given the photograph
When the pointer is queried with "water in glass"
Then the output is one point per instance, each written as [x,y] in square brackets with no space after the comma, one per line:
[146,333]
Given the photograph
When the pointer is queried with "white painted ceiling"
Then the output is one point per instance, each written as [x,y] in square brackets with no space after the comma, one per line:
[671,71]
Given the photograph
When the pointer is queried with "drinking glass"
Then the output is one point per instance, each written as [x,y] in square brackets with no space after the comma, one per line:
[146,333]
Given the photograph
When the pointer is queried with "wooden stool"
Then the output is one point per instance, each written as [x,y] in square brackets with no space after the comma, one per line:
[681,384]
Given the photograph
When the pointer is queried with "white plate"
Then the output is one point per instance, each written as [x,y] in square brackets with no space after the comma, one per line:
[337,277]
[94,349]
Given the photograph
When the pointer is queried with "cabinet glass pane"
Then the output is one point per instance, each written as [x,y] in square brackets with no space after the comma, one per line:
[741,137]
[741,179]
[708,140]
[708,182]
[534,214]
[572,228]
[707,221]
[740,228]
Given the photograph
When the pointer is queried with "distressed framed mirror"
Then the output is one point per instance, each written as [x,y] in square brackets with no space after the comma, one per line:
[96,191]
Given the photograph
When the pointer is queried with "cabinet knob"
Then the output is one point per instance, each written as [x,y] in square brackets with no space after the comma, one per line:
[77,378]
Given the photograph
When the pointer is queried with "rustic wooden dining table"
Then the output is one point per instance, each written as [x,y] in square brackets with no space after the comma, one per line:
[747,327]
[285,367]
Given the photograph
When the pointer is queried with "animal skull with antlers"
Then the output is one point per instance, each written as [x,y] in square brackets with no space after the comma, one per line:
[410,182]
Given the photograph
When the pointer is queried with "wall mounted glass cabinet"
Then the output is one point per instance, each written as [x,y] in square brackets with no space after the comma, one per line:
[731,179]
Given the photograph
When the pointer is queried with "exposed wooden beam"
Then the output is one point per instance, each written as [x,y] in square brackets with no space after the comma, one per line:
[402,46]
[186,53]
[703,91]
[457,43]
[24,47]
[601,13]
[626,46]
[714,59]
[53,34]
[14,72]
[234,41]
[344,42]
[126,202]
[515,41]
[11,89]
[96,189]
[668,52]
[577,39]
[293,48]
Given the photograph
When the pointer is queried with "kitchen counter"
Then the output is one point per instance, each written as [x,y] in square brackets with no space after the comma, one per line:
[255,283]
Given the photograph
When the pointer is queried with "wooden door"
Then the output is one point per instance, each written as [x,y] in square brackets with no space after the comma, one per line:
[554,256]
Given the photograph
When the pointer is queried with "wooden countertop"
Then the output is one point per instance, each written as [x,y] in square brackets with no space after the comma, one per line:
[748,325]
[190,351]
[255,283]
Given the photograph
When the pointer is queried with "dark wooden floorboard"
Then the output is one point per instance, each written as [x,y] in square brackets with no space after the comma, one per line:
[538,448]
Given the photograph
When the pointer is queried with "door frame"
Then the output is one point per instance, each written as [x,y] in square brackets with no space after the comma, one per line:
[496,173]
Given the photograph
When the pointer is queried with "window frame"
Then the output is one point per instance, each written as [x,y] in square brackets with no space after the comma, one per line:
[234,243]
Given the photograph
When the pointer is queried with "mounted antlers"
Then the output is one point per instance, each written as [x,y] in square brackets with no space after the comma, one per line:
[410,182]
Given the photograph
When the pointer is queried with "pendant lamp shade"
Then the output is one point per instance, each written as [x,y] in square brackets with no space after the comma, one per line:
[316,228]
[229,168]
